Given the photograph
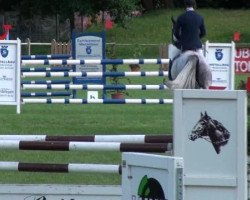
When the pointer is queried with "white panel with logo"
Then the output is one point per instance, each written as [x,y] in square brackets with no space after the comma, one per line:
[210,133]
[220,57]
[148,176]
[10,60]
[89,47]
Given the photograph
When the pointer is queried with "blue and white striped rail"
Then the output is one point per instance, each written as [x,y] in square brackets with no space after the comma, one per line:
[59,168]
[45,94]
[46,69]
[46,82]
[93,138]
[97,101]
[94,74]
[93,87]
[95,61]
[53,56]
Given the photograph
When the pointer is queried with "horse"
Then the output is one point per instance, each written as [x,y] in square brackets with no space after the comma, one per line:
[211,130]
[187,70]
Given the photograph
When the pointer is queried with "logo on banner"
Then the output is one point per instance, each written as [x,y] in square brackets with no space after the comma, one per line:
[5,78]
[88,50]
[149,188]
[210,130]
[218,54]
[4,51]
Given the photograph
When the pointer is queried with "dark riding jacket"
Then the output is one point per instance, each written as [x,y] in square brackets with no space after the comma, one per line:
[189,29]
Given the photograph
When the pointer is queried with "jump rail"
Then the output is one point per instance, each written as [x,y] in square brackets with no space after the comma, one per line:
[45,94]
[93,74]
[53,56]
[94,87]
[46,69]
[59,168]
[98,101]
[94,138]
[95,61]
[85,146]
[46,82]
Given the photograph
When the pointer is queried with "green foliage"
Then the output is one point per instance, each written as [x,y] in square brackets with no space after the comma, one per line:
[122,10]
[116,80]
[218,4]
[138,51]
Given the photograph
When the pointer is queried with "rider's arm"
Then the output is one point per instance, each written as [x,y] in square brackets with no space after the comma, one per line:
[177,30]
[202,29]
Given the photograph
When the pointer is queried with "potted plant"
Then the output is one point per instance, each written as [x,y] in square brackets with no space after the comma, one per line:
[137,53]
[116,81]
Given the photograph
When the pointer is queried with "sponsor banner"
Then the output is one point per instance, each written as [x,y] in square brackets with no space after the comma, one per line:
[242,60]
[10,73]
[7,75]
[220,57]
[89,46]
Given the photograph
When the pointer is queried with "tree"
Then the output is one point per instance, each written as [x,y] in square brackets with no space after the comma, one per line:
[120,9]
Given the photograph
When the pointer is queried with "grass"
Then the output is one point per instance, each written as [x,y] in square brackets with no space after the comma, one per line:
[79,120]
[153,27]
[84,120]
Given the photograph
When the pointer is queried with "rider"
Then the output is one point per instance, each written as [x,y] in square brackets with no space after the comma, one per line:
[190,28]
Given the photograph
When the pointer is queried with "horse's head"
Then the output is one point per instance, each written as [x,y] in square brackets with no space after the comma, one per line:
[210,130]
[200,128]
[174,39]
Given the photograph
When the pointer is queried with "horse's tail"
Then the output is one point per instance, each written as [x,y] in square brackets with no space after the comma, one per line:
[186,79]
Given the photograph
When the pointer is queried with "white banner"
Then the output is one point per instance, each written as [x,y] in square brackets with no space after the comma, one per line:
[10,73]
[220,57]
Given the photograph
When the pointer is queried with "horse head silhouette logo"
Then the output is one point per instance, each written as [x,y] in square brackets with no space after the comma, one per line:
[211,130]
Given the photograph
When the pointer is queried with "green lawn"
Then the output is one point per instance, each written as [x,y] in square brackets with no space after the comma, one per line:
[79,120]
